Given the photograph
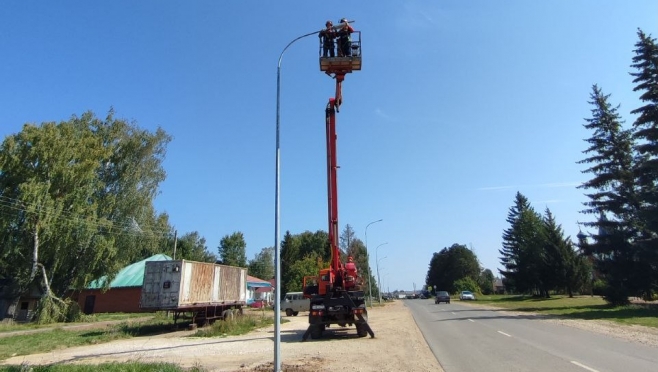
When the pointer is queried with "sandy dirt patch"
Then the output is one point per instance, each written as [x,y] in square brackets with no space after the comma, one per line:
[398,346]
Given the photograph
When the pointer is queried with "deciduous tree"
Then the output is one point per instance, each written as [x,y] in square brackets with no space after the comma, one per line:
[233,250]
[451,264]
[262,266]
[71,194]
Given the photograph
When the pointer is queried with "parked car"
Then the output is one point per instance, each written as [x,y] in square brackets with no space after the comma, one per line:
[442,296]
[466,295]
[258,303]
[294,302]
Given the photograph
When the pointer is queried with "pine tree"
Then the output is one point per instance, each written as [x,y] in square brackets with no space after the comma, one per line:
[555,254]
[613,195]
[521,251]
[564,268]
[645,62]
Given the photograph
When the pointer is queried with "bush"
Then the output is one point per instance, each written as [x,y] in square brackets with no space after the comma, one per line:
[616,296]
[53,310]
[598,287]
[467,284]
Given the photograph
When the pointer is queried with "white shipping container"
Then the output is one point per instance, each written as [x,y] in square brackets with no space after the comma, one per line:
[170,285]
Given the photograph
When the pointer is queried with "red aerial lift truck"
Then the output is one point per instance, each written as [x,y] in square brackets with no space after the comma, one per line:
[335,294]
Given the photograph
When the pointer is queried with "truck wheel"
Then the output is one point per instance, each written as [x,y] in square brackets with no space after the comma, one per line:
[361,330]
[295,313]
[316,331]
[227,315]
[289,312]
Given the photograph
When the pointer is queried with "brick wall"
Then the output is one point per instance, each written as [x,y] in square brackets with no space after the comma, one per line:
[115,300]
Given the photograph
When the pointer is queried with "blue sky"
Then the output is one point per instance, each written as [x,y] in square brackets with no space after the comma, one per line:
[459,105]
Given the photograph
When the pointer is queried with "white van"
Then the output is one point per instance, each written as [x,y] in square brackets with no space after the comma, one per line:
[294,302]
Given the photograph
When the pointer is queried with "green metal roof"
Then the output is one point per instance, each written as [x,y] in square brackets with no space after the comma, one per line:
[129,276]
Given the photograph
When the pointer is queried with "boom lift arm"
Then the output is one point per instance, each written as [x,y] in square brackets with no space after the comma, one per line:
[335,296]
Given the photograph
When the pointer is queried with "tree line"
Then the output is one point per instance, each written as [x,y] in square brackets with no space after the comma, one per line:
[77,204]
[618,255]
[536,256]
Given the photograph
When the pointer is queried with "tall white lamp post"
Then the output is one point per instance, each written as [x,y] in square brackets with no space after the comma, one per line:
[379,293]
[368,258]
[277,227]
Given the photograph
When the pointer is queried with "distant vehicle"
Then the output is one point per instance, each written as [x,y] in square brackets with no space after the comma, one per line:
[466,295]
[294,302]
[258,303]
[442,296]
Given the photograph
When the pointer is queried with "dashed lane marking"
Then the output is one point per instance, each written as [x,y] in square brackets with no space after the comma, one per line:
[504,334]
[584,366]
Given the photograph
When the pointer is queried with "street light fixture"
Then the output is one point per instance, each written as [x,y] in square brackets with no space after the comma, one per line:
[277,227]
[368,261]
[379,293]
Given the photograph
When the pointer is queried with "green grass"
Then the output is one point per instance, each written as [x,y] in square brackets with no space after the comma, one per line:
[51,340]
[103,317]
[58,338]
[238,326]
[581,307]
[105,367]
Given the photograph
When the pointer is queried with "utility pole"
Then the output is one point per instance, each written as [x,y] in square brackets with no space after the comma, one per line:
[175,241]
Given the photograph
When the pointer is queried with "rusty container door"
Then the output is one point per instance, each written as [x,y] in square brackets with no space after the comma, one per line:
[197,283]
[232,284]
[162,285]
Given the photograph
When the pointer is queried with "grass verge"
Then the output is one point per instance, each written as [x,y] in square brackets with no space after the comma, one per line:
[580,307]
[60,338]
[237,326]
[93,318]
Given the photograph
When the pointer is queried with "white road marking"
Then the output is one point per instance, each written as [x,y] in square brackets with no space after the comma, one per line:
[505,334]
[452,313]
[584,366]
[471,320]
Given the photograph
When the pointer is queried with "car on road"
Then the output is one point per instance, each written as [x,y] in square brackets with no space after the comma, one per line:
[442,296]
[466,295]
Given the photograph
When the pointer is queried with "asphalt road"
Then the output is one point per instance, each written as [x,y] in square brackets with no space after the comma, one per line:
[470,339]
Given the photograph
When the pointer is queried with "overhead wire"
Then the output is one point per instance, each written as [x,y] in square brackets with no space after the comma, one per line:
[115,227]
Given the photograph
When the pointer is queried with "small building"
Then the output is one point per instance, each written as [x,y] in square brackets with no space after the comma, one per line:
[499,286]
[123,294]
[27,303]
[258,289]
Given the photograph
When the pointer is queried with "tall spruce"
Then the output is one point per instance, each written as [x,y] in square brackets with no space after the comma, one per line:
[645,62]
[522,247]
[555,254]
[613,199]
[564,268]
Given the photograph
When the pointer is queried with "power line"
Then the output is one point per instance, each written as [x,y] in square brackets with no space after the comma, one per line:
[120,228]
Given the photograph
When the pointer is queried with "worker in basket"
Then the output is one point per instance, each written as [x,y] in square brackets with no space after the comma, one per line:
[344,38]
